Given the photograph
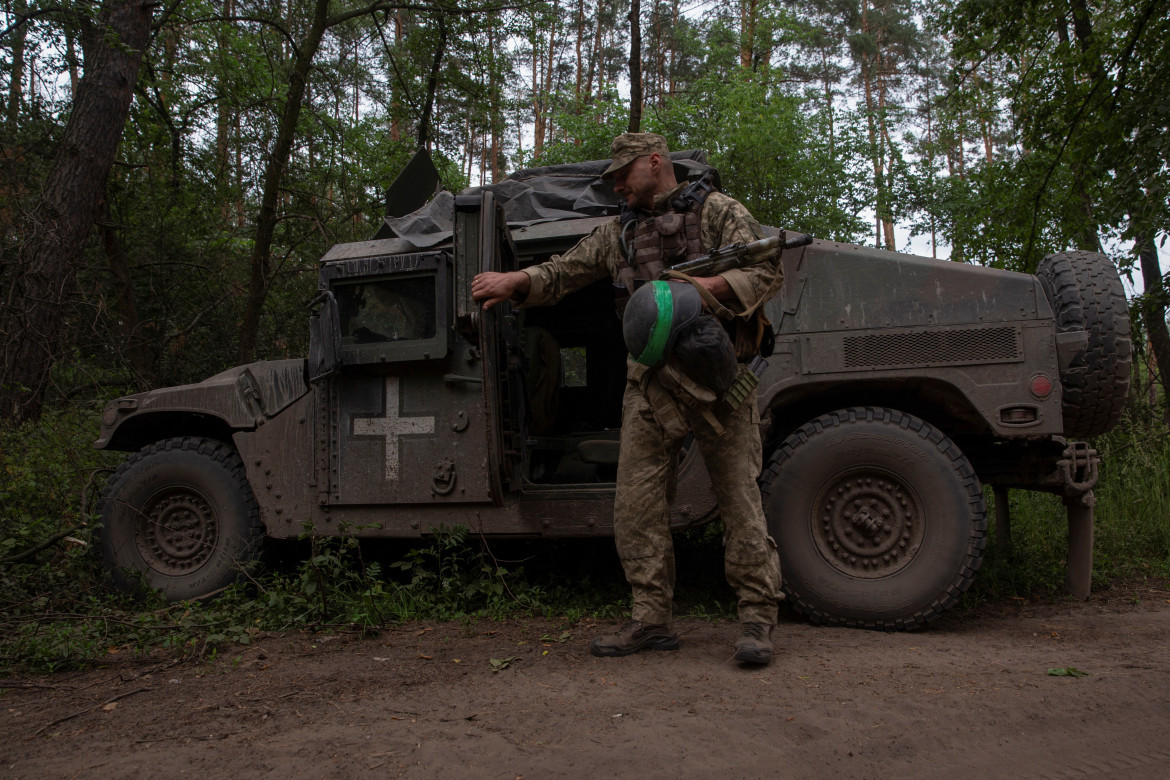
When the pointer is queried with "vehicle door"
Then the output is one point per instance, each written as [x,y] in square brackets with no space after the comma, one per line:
[404,411]
[484,243]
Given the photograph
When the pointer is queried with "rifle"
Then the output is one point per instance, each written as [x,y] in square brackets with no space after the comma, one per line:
[739,255]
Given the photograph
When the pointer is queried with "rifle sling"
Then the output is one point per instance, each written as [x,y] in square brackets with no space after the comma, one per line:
[718,308]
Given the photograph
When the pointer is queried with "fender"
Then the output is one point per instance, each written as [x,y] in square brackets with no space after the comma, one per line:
[241,398]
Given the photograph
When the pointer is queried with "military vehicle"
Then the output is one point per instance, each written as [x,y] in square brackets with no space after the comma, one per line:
[898,387]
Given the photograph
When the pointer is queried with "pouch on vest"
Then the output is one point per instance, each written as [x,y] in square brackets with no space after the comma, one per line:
[754,337]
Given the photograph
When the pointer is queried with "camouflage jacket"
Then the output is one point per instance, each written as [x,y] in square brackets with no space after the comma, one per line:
[724,221]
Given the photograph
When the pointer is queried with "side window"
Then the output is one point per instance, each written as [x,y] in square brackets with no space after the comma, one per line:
[400,309]
[387,318]
[573,367]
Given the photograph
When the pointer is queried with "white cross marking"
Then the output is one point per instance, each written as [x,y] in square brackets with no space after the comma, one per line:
[391,426]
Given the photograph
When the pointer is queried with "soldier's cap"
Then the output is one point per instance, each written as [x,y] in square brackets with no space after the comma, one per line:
[628,147]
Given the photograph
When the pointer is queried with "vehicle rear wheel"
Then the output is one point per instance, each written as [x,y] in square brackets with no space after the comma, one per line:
[179,517]
[1086,294]
[879,518]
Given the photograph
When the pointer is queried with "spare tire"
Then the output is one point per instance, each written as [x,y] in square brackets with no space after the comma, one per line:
[1086,294]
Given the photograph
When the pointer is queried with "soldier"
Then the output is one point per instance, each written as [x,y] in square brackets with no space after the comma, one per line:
[669,222]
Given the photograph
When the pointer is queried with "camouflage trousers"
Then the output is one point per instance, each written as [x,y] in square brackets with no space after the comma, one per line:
[645,482]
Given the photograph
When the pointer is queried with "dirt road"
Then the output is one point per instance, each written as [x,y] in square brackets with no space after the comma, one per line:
[969,695]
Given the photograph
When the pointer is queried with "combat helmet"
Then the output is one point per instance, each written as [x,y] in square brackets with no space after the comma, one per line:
[666,319]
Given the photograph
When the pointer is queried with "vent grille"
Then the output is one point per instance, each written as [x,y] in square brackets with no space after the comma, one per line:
[932,347]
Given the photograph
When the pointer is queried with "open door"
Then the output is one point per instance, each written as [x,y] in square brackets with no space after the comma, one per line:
[484,243]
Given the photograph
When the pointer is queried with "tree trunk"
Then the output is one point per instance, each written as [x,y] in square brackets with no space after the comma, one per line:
[71,62]
[884,71]
[546,90]
[273,174]
[537,99]
[635,18]
[673,64]
[871,127]
[747,32]
[1154,312]
[829,103]
[16,78]
[594,57]
[578,71]
[494,109]
[32,315]
[1095,70]
[988,147]
[424,125]
[395,126]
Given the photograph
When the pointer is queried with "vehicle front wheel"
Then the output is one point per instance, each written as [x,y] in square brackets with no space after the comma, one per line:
[179,517]
[879,518]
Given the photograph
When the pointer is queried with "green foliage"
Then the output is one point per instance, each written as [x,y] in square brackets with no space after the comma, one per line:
[449,573]
[44,479]
[1132,536]
[57,611]
[47,483]
[1067,671]
[1089,122]
[771,155]
[587,130]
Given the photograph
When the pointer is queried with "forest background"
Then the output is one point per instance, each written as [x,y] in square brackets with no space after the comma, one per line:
[171,170]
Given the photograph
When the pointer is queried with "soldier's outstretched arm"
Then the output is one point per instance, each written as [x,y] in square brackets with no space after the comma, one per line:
[492,287]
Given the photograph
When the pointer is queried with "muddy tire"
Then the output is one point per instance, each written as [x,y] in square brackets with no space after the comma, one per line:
[1086,294]
[179,517]
[879,518]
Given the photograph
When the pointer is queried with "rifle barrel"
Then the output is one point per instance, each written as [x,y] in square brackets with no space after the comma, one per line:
[740,255]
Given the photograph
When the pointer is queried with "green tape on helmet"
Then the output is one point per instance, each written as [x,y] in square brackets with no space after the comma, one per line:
[660,332]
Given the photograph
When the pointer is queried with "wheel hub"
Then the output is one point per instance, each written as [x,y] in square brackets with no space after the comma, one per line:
[869,523]
[177,532]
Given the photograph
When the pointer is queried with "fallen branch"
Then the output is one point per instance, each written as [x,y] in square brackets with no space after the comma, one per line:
[20,556]
[58,721]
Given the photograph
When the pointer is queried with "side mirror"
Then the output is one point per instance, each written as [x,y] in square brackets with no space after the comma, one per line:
[324,337]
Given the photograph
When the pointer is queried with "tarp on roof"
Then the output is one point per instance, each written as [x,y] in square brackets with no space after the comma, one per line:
[531,196]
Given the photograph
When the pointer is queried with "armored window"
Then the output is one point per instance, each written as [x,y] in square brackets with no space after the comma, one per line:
[389,317]
[573,367]
[387,310]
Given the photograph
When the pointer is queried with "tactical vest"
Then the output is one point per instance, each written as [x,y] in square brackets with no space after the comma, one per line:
[664,240]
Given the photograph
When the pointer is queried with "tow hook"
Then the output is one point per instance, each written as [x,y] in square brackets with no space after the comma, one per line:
[1079,463]
[443,477]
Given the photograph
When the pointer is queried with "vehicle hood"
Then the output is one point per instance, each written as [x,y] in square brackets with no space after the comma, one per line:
[243,397]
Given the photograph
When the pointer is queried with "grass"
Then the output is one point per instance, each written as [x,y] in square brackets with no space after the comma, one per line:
[56,611]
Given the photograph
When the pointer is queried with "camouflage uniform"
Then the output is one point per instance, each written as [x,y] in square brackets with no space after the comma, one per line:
[647,461]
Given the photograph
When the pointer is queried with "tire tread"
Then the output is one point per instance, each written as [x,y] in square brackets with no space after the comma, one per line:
[217,452]
[965,574]
[1086,294]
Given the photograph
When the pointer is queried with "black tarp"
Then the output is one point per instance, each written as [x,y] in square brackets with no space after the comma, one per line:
[531,196]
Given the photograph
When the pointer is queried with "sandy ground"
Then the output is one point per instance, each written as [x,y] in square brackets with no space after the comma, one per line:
[969,695]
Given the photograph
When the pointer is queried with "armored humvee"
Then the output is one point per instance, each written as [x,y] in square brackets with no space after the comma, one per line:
[898,387]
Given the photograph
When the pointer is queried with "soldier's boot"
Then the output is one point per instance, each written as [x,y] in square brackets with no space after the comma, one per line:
[633,637]
[754,645]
